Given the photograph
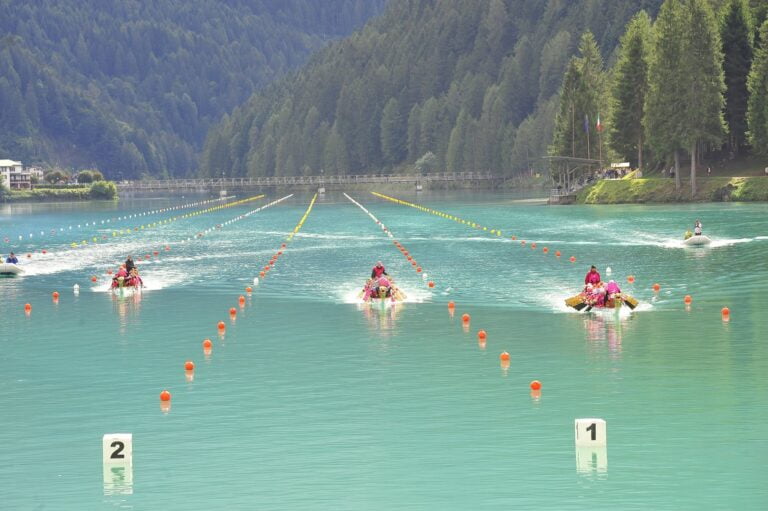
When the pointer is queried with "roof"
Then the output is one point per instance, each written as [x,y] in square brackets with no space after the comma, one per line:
[9,163]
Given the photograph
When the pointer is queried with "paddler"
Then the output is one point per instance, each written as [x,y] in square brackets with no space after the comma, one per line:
[592,277]
[129,265]
[697,228]
[11,259]
[378,271]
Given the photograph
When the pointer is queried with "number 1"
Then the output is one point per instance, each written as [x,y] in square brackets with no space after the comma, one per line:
[593,430]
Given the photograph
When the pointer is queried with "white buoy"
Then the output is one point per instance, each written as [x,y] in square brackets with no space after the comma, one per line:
[608,270]
[76,288]
[590,432]
[255,281]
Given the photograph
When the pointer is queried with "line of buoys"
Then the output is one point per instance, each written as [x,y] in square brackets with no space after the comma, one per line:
[279,253]
[430,283]
[112,220]
[474,225]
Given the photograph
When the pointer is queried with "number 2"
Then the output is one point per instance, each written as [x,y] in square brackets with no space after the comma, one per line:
[593,430]
[117,454]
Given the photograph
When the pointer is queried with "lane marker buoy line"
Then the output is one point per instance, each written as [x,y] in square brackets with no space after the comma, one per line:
[221,326]
[283,246]
[159,223]
[220,226]
[397,244]
[110,221]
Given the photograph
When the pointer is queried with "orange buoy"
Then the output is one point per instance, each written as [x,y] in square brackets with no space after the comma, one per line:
[451,305]
[514,238]
[55,295]
[418,270]
[482,334]
[222,326]
[156,253]
[522,243]
[232,311]
[557,254]
[261,274]
[545,250]
[656,288]
[207,344]
[535,385]
[44,251]
[726,312]
[688,299]
[572,259]
[465,317]
[241,299]
[189,365]
[165,396]
[248,289]
[431,284]
[533,246]
[167,248]
[631,279]
[27,307]
[93,279]
[504,357]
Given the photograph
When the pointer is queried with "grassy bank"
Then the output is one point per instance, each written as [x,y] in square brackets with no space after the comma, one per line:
[711,189]
[100,190]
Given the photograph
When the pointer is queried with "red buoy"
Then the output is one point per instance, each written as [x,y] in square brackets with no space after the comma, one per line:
[189,365]
[535,385]
[165,396]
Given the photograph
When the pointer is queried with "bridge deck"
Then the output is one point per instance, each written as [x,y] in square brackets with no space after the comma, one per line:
[246,182]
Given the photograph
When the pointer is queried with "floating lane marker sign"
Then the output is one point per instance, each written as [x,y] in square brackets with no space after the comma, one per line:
[590,433]
[117,455]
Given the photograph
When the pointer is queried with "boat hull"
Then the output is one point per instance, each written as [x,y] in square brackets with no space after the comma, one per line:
[697,241]
[10,270]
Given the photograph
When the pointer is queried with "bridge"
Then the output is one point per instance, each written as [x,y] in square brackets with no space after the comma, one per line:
[320,182]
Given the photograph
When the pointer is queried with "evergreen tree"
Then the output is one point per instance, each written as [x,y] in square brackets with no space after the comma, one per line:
[665,112]
[630,86]
[703,81]
[736,34]
[393,133]
[455,156]
[757,112]
[580,100]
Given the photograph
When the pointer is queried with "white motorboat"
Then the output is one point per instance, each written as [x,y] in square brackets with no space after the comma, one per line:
[10,269]
[696,241]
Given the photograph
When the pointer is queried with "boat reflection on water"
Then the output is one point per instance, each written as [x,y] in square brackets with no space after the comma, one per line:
[607,328]
[381,317]
[126,305]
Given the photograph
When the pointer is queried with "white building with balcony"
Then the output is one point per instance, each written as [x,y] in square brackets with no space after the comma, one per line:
[14,176]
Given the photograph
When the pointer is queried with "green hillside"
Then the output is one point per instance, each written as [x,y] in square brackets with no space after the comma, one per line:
[473,81]
[132,87]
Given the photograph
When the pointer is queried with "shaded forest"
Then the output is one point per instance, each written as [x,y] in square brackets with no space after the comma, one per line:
[476,83]
[132,87]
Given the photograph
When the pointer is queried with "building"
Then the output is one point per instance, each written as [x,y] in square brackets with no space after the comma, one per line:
[36,173]
[14,176]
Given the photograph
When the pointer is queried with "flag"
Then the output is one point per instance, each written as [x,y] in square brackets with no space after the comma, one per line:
[586,123]
[599,126]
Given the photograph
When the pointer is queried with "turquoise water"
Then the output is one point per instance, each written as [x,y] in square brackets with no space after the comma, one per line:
[313,401]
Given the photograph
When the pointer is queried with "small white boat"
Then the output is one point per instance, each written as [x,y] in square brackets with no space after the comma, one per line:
[695,241]
[10,269]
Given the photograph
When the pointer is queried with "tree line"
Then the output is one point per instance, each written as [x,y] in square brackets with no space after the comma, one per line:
[133,87]
[692,83]
[474,83]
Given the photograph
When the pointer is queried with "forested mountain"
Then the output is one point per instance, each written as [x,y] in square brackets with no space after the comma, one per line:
[473,81]
[132,86]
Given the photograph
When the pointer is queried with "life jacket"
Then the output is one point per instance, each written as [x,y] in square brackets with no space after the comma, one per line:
[378,271]
[592,278]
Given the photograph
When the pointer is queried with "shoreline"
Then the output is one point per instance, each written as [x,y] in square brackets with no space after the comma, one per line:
[662,191]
